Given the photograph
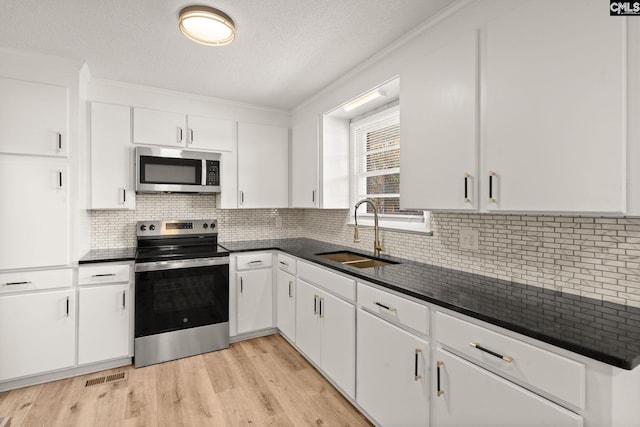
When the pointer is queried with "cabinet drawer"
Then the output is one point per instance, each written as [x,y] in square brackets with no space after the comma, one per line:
[103,273]
[333,282]
[36,280]
[546,371]
[287,263]
[254,260]
[394,308]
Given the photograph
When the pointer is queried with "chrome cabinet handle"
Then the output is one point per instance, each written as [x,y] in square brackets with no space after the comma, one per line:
[290,287]
[284,263]
[315,304]
[104,275]
[466,187]
[416,376]
[27,282]
[491,175]
[321,307]
[67,314]
[59,148]
[439,391]
[190,136]
[59,179]
[386,307]
[124,195]
[242,197]
[124,299]
[179,134]
[313,196]
[241,285]
[491,352]
[259,261]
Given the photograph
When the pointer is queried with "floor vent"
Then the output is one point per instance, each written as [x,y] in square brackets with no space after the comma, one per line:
[102,380]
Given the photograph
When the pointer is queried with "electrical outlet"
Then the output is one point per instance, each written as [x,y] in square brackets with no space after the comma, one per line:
[469,239]
[278,222]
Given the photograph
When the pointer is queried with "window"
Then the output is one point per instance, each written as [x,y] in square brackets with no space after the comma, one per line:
[375,152]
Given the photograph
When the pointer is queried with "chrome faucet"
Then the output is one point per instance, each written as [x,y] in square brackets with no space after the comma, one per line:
[377,244]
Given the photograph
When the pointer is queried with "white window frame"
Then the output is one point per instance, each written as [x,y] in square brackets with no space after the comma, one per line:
[408,223]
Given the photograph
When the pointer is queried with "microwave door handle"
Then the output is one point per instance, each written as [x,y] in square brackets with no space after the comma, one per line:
[203,181]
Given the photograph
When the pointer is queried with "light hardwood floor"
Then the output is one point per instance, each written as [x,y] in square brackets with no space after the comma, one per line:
[259,382]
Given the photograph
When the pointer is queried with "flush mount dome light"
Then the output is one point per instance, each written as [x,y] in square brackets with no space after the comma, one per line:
[206,25]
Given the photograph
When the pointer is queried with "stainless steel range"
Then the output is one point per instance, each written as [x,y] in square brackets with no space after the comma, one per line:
[181,291]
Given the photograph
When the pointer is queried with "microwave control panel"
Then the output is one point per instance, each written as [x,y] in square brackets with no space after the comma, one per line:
[213,172]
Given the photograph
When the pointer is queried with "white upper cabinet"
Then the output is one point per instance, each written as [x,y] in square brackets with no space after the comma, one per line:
[304,164]
[33,118]
[112,176]
[206,133]
[34,218]
[159,127]
[263,166]
[439,110]
[554,124]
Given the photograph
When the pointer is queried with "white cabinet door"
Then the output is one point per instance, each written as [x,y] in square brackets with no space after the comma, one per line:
[286,304]
[34,217]
[206,133]
[338,337]
[555,109]
[159,127]
[473,396]
[112,176]
[37,332]
[388,360]
[263,166]
[439,132]
[33,118]
[304,164]
[104,314]
[255,300]
[307,320]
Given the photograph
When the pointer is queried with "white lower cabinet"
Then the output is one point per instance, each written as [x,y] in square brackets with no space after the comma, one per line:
[392,373]
[104,314]
[468,395]
[286,304]
[37,333]
[326,333]
[255,300]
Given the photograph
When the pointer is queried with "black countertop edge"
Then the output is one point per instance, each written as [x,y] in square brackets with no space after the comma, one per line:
[627,362]
[108,255]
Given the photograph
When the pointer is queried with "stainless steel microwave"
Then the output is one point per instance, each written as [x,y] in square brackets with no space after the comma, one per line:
[167,170]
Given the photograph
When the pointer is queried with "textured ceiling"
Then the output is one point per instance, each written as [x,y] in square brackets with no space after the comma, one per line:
[284,52]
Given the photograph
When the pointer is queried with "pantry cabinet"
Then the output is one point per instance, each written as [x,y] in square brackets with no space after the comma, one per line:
[112,163]
[263,166]
[467,395]
[555,109]
[325,333]
[37,332]
[31,237]
[33,118]
[439,112]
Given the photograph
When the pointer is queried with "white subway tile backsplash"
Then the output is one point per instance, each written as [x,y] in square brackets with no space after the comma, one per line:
[595,257]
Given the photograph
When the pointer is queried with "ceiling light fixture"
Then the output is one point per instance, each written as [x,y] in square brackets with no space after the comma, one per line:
[206,25]
[364,99]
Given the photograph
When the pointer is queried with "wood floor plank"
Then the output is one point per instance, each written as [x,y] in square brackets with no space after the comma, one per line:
[259,382]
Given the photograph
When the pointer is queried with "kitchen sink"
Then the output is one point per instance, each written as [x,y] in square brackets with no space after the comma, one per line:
[355,260]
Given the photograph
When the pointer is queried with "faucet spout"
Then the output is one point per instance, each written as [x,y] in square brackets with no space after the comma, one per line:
[377,245]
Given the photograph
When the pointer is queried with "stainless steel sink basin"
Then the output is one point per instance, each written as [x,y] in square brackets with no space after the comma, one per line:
[355,260]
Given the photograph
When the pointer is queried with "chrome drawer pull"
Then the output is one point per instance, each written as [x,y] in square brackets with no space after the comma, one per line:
[17,283]
[493,353]
[255,262]
[103,275]
[386,307]
[284,263]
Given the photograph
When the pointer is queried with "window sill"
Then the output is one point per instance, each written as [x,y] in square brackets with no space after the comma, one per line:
[402,227]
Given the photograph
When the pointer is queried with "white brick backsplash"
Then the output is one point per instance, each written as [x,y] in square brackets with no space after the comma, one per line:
[594,257]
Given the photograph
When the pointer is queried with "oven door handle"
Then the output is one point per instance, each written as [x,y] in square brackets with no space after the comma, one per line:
[183,263]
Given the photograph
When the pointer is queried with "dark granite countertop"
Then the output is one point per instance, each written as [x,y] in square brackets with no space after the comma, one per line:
[600,330]
[109,255]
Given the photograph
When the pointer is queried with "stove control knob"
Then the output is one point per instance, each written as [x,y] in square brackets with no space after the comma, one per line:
[143,227]
[213,225]
[152,227]
[205,225]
